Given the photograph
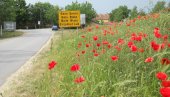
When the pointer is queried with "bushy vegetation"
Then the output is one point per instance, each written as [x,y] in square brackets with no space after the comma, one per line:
[120,60]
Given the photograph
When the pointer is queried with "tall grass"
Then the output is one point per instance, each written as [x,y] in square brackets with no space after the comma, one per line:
[129,76]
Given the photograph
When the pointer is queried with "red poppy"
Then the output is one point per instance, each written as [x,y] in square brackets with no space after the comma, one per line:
[114,58]
[105,42]
[165,83]
[155,46]
[141,50]
[83,36]
[138,38]
[83,52]
[149,59]
[79,79]
[169,45]
[109,45]
[98,44]
[94,51]
[87,45]
[120,41]
[134,48]
[161,76]
[165,37]
[79,44]
[75,67]
[165,61]
[165,91]
[162,45]
[95,38]
[51,65]
[97,26]
[130,43]
[118,48]
[157,33]
[96,54]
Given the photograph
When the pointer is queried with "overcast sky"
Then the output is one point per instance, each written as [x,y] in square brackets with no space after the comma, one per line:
[104,6]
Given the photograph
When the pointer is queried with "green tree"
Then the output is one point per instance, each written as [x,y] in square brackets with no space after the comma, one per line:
[43,12]
[141,12]
[134,13]
[119,14]
[21,13]
[7,11]
[85,8]
[160,5]
[52,14]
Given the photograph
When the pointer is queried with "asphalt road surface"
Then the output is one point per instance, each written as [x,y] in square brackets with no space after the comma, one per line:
[14,52]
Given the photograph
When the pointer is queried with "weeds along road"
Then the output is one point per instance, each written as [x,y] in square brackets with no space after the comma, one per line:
[14,52]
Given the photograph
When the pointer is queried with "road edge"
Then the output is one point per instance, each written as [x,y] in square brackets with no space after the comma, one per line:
[25,67]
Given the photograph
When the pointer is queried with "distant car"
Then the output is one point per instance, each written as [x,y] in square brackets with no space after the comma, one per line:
[54,27]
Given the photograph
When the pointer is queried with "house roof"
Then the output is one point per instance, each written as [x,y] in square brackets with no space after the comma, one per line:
[102,17]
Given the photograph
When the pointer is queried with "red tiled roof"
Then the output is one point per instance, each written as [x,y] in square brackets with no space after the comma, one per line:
[102,17]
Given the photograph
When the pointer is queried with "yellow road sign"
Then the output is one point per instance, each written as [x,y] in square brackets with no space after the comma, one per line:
[69,19]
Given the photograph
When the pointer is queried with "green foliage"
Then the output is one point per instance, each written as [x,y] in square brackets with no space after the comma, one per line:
[21,13]
[130,76]
[160,5]
[85,8]
[141,12]
[119,14]
[134,13]
[7,11]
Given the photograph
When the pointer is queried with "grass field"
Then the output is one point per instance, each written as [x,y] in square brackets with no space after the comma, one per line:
[118,60]
[11,34]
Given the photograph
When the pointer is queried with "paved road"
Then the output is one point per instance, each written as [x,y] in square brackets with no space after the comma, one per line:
[15,52]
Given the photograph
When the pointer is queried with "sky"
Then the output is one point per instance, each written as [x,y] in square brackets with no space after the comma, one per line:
[104,6]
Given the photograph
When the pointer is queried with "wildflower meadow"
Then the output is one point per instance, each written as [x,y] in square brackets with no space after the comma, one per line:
[123,59]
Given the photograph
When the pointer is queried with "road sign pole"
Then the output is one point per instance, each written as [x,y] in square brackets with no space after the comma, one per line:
[1,30]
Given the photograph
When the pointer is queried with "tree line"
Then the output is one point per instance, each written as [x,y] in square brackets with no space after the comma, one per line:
[29,15]
[122,12]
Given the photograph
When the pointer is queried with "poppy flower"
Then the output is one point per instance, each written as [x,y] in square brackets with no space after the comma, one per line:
[162,46]
[165,91]
[134,48]
[161,76]
[109,45]
[87,45]
[75,67]
[165,37]
[98,44]
[130,43]
[105,42]
[165,83]
[79,79]
[155,46]
[169,45]
[141,50]
[164,60]
[83,36]
[138,38]
[114,58]
[83,52]
[97,26]
[51,65]
[149,59]
[95,38]
[157,33]
[96,54]
[120,41]
[94,51]
[117,48]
